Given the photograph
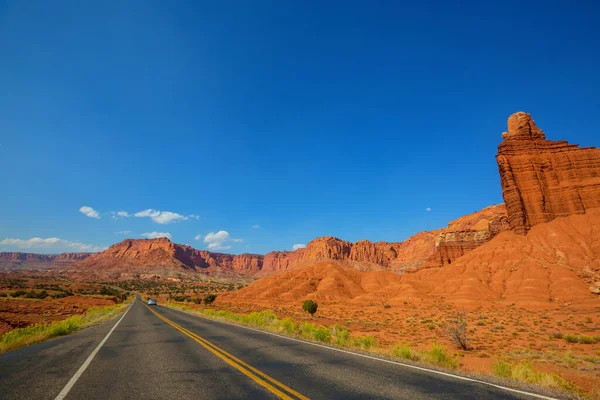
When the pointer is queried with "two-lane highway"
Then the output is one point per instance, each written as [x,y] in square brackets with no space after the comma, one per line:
[160,353]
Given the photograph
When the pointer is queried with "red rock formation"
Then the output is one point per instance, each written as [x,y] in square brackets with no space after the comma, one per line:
[151,258]
[556,263]
[467,233]
[15,260]
[543,179]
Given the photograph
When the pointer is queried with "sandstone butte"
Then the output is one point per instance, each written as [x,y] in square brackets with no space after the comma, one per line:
[161,258]
[543,179]
[545,251]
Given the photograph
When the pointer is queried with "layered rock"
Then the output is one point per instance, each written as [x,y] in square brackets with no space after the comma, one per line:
[467,233]
[554,265]
[161,258]
[362,255]
[543,179]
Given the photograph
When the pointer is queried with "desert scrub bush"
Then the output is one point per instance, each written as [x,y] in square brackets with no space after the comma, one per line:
[405,352]
[322,334]
[366,342]
[310,307]
[307,329]
[340,335]
[32,294]
[36,333]
[556,335]
[261,319]
[209,299]
[524,372]
[438,355]
[18,293]
[583,339]
[502,369]
[288,326]
[2,294]
[457,331]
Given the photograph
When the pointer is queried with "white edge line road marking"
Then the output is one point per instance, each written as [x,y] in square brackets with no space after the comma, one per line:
[464,378]
[63,393]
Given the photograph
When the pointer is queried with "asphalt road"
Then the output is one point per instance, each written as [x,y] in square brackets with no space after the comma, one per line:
[161,353]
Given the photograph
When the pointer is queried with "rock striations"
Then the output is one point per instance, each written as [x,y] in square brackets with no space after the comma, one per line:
[543,179]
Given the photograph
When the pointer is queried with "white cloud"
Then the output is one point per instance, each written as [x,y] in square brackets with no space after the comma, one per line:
[194,216]
[155,235]
[298,246]
[123,233]
[89,211]
[123,214]
[161,217]
[256,226]
[49,243]
[428,209]
[219,240]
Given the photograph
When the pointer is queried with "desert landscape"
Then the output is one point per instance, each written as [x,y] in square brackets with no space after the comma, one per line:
[524,275]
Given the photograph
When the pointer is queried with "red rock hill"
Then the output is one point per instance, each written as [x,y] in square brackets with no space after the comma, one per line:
[543,179]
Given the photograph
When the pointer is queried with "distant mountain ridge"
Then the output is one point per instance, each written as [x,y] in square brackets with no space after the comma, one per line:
[17,260]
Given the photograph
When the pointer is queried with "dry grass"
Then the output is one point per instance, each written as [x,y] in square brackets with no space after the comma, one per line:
[36,333]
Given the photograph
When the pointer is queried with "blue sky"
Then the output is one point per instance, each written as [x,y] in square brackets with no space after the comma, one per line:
[276,122]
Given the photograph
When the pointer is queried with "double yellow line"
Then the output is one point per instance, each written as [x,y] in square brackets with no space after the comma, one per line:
[271,384]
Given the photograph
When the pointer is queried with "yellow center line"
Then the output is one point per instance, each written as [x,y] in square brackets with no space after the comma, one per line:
[238,364]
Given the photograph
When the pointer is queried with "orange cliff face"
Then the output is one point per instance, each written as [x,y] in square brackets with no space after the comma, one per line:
[467,233]
[541,250]
[543,179]
[161,258]
[554,265]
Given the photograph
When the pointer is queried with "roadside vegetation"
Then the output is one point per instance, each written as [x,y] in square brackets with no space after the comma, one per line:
[524,372]
[36,333]
[436,354]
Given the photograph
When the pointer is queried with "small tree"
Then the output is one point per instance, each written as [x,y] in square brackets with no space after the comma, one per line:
[457,331]
[310,307]
[209,299]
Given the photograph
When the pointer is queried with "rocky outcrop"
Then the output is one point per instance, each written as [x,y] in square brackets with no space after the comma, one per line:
[543,179]
[467,233]
[151,258]
[15,260]
[361,255]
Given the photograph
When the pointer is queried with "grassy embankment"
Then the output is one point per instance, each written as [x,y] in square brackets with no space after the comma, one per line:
[36,333]
[437,354]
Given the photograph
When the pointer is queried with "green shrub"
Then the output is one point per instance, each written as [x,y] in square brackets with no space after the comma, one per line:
[438,355]
[261,319]
[18,293]
[322,334]
[502,369]
[288,326]
[209,299]
[340,335]
[364,342]
[524,372]
[584,339]
[405,352]
[310,307]
[307,329]
[32,294]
